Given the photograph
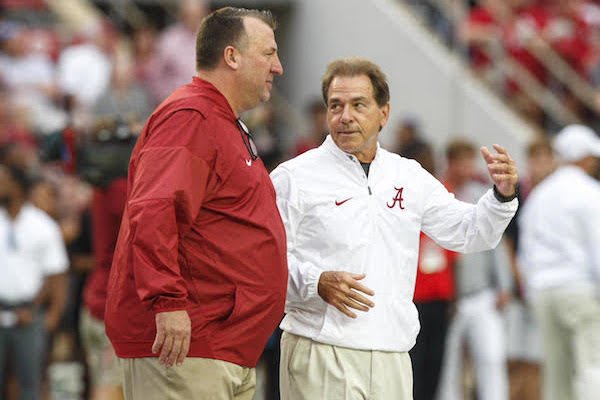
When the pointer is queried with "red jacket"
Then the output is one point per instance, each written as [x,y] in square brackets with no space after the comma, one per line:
[107,208]
[201,232]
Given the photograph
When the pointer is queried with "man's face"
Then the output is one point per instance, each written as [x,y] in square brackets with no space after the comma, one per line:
[353,116]
[540,164]
[462,169]
[259,62]
[7,187]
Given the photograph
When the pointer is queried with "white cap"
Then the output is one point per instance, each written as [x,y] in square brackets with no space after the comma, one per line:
[576,142]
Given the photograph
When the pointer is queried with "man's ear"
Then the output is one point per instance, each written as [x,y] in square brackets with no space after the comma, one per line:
[385,111]
[231,57]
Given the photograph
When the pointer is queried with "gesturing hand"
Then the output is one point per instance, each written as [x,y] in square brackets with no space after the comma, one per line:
[502,170]
[173,330]
[341,290]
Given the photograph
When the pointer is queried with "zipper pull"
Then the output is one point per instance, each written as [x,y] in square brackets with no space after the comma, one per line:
[370,193]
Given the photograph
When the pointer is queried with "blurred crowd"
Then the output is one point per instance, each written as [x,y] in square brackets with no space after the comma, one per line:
[75,92]
[523,46]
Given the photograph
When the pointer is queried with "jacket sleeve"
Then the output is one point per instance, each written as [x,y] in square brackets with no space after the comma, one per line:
[168,188]
[461,226]
[303,277]
[589,218]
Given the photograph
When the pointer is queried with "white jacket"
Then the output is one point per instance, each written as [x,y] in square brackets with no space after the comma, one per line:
[559,244]
[337,219]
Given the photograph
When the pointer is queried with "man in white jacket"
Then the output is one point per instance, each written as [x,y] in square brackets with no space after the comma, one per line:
[353,213]
[559,253]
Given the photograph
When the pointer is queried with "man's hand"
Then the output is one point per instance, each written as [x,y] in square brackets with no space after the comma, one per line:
[502,170]
[24,316]
[502,300]
[341,290]
[173,330]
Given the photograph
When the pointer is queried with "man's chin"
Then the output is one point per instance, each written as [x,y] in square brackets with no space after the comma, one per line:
[345,145]
[265,97]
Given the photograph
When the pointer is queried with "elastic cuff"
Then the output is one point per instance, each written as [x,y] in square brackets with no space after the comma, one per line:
[163,304]
[505,199]
[313,276]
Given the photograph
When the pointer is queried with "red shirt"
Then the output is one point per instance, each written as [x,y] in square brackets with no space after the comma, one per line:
[201,232]
[572,38]
[107,208]
[481,17]
[435,280]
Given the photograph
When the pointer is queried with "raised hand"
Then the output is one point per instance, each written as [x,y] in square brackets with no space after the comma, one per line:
[173,330]
[342,290]
[502,170]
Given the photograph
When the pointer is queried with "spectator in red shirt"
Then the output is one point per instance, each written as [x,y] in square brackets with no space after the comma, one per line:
[434,292]
[199,275]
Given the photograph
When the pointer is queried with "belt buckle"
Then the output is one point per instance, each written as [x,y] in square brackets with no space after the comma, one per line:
[8,318]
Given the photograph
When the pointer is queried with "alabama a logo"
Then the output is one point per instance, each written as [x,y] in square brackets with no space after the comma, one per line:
[397,199]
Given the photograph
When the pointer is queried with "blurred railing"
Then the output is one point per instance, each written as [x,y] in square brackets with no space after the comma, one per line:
[444,17]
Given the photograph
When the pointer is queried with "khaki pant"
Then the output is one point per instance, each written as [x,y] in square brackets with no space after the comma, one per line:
[196,378]
[310,370]
[103,364]
[569,321]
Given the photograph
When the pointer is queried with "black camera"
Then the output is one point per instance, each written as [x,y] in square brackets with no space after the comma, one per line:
[99,155]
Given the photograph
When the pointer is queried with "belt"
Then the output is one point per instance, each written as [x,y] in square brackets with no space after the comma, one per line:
[8,316]
[10,306]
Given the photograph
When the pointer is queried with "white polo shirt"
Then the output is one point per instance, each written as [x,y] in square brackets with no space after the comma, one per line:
[31,248]
[559,242]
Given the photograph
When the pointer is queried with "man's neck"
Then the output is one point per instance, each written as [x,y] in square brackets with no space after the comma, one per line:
[14,207]
[224,84]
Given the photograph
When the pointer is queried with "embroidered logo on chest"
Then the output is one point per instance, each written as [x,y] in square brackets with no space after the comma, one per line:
[398,199]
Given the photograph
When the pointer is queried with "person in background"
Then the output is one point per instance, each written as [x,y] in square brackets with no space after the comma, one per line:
[524,343]
[407,135]
[198,279]
[353,214]
[560,260]
[434,294]
[32,282]
[317,119]
[126,105]
[171,68]
[482,282]
[107,208]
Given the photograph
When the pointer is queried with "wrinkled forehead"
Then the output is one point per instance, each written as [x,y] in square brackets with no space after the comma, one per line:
[346,88]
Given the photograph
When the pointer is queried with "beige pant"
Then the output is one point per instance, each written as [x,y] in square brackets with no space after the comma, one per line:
[104,369]
[196,378]
[569,321]
[310,370]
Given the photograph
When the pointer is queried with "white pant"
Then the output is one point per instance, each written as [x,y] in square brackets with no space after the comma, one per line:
[569,320]
[478,324]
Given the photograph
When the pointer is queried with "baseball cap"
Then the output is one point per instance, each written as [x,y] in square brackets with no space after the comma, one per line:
[575,142]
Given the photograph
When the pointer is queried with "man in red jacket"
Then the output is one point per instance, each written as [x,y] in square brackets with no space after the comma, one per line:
[200,273]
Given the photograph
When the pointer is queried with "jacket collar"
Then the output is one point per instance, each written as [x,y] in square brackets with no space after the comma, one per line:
[215,95]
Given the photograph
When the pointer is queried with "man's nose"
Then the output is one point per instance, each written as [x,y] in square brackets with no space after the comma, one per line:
[346,115]
[277,68]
